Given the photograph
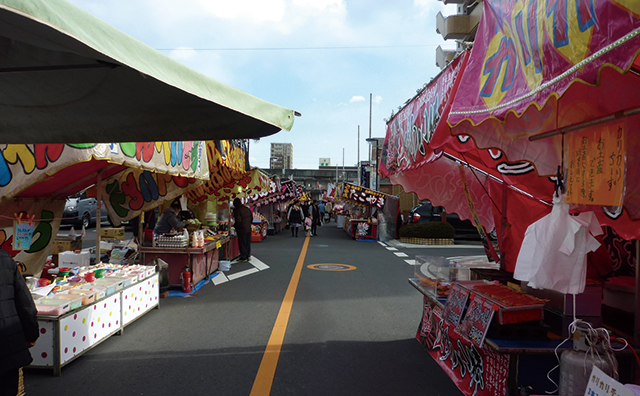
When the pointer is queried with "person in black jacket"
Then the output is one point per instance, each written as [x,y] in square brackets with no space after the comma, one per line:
[295,218]
[316,218]
[18,324]
[243,219]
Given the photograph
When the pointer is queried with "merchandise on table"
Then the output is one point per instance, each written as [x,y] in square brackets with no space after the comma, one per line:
[85,285]
[172,241]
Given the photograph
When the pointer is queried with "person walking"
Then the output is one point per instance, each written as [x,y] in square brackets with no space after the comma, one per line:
[295,217]
[243,219]
[329,208]
[323,211]
[19,328]
[315,218]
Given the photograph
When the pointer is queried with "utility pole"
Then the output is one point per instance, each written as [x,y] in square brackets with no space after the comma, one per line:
[370,107]
[359,167]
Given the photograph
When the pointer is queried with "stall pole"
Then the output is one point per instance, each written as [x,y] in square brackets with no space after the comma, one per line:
[98,215]
[637,323]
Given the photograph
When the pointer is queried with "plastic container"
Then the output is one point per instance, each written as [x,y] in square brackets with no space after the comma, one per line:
[99,273]
[126,280]
[52,307]
[101,291]
[75,301]
[111,285]
[224,265]
[88,296]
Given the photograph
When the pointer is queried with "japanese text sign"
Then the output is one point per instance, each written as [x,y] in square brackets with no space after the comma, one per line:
[23,232]
[363,196]
[597,166]
[600,384]
[476,322]
[455,305]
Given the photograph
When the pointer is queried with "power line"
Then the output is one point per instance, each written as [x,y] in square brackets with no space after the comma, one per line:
[297,48]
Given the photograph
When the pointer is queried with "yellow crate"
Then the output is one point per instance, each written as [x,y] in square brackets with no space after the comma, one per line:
[65,245]
[112,233]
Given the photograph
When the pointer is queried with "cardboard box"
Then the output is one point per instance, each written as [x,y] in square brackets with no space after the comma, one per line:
[71,259]
[112,233]
[64,245]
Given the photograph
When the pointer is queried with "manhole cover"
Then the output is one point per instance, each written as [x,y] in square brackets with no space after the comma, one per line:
[331,267]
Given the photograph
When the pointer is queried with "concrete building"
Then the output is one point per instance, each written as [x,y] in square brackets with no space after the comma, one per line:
[461,27]
[281,156]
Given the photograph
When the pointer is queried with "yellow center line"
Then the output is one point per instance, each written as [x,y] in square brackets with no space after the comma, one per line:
[266,372]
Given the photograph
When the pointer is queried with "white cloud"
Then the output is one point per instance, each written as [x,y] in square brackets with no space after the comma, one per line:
[183,53]
[377,99]
[356,99]
[255,10]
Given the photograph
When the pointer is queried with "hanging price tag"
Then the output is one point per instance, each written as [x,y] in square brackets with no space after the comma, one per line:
[218,245]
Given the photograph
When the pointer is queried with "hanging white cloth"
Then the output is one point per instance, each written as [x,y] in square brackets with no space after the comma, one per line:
[554,251]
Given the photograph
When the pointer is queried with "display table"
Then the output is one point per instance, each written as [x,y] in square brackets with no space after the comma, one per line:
[259,231]
[500,366]
[362,229]
[63,338]
[201,261]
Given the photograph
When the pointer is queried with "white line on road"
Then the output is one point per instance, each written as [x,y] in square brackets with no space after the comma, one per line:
[258,264]
[400,254]
[391,248]
[242,273]
[411,262]
[221,278]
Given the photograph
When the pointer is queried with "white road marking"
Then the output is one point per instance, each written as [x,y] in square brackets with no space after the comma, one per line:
[258,264]
[391,248]
[400,254]
[243,273]
[220,278]
[411,262]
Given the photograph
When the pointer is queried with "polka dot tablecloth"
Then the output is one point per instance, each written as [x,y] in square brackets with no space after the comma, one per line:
[91,324]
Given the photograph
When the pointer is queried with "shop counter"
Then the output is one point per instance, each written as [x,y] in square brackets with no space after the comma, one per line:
[64,338]
[362,229]
[259,231]
[500,366]
[201,261]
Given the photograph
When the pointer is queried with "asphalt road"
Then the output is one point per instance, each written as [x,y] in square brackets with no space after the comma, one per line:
[348,333]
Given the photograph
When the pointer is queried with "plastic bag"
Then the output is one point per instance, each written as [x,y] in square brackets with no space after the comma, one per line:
[554,250]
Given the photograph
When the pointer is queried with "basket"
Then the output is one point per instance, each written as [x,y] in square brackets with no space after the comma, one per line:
[192,227]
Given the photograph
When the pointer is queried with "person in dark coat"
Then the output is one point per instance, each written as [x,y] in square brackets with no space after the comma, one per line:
[295,218]
[316,218]
[243,219]
[19,328]
[169,219]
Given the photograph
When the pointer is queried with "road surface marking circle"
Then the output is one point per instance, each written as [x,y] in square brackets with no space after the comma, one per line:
[331,267]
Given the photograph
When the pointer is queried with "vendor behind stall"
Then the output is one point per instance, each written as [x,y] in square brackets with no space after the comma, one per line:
[169,219]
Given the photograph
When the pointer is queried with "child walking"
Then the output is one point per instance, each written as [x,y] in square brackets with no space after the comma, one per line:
[307,225]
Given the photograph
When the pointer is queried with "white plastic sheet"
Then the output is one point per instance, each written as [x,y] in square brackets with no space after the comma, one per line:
[554,251]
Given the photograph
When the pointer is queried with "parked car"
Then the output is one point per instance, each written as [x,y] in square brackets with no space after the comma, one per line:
[81,210]
[465,229]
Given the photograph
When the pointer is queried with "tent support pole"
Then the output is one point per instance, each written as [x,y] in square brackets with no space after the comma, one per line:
[565,130]
[636,335]
[98,215]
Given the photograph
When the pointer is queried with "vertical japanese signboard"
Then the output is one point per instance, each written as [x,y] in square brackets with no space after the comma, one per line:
[456,302]
[475,324]
[596,159]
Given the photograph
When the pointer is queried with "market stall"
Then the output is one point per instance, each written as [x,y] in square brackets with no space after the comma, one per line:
[130,174]
[366,214]
[485,141]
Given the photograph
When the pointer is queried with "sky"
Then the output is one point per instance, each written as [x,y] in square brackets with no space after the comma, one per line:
[322,58]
